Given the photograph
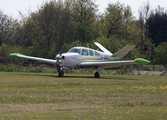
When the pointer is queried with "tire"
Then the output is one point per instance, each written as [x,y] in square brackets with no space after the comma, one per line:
[97,75]
[61,73]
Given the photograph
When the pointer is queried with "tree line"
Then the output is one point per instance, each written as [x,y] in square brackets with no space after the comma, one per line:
[77,22]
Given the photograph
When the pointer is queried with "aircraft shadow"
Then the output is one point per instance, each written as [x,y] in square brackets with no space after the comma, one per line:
[101,77]
[86,77]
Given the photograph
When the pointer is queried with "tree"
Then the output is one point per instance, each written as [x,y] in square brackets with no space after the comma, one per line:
[116,16]
[144,44]
[7,27]
[53,22]
[83,13]
[82,10]
[46,30]
[161,53]
[157,26]
[83,32]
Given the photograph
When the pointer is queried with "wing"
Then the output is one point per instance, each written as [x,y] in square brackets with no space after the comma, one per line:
[18,55]
[102,48]
[111,64]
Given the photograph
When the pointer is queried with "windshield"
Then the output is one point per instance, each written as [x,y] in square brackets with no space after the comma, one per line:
[74,50]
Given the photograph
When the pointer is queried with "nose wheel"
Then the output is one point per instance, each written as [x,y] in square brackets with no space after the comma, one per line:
[61,73]
[97,75]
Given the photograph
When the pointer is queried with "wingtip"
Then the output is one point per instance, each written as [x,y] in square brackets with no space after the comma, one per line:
[142,61]
[14,55]
[132,44]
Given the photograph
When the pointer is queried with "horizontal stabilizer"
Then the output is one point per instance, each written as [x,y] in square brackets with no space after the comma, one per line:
[121,53]
[102,48]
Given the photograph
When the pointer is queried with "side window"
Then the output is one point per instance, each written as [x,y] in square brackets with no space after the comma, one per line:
[84,52]
[97,53]
[91,53]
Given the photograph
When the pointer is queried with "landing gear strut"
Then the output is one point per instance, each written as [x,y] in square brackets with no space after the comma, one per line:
[97,75]
[60,71]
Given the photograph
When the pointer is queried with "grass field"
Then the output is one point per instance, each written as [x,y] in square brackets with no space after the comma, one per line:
[42,96]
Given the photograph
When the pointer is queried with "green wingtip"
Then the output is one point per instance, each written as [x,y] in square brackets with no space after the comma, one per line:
[142,61]
[14,55]
[132,44]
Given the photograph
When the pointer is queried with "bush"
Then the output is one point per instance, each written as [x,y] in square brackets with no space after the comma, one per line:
[5,69]
[123,70]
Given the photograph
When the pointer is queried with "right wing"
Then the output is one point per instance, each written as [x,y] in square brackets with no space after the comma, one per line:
[111,64]
[18,55]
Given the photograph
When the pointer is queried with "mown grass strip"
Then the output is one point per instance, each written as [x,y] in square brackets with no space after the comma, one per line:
[80,96]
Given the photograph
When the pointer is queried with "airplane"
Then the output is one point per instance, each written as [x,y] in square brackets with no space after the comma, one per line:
[82,57]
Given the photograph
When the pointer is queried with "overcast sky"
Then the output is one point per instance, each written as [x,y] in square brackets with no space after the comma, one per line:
[11,7]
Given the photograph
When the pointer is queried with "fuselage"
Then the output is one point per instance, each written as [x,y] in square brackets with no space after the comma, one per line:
[76,55]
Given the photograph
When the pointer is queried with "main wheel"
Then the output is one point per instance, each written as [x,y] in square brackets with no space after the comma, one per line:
[97,75]
[61,73]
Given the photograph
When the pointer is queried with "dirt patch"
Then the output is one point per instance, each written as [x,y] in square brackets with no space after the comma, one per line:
[43,107]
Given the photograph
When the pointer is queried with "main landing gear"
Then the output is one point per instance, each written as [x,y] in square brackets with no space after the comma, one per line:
[97,75]
[100,70]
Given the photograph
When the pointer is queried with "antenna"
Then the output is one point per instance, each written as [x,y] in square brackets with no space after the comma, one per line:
[88,45]
[77,43]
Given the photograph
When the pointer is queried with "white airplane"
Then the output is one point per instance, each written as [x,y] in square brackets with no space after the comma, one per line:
[82,57]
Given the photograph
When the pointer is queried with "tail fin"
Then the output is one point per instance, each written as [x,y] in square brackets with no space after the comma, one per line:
[122,52]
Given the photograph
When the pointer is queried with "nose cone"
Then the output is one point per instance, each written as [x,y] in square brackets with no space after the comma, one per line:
[69,59]
[142,61]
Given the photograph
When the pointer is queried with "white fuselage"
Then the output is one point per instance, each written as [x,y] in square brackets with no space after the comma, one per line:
[76,55]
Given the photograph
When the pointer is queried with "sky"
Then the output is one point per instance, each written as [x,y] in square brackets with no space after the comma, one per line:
[11,7]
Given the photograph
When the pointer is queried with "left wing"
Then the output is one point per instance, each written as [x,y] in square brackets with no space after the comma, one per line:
[18,55]
[110,64]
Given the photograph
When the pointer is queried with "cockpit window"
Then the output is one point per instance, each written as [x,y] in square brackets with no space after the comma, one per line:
[74,50]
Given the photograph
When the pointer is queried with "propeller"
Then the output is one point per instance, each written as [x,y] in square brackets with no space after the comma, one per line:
[63,49]
[56,65]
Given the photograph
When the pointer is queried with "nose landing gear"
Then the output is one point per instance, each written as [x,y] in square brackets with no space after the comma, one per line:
[61,73]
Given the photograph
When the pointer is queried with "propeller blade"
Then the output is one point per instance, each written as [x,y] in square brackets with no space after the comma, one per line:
[54,65]
[63,49]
